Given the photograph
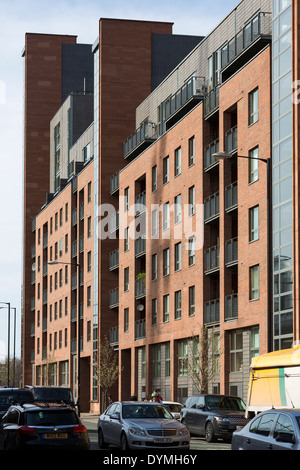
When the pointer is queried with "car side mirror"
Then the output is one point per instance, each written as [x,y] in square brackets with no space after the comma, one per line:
[285,437]
[115,416]
[200,407]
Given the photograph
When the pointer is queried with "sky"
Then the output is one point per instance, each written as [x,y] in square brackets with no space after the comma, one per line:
[75,17]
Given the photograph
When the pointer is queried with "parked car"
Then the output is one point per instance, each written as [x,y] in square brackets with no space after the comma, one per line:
[52,394]
[136,425]
[38,426]
[213,416]
[174,408]
[9,396]
[270,430]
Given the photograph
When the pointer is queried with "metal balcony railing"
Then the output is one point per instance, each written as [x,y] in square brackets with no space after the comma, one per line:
[231,307]
[140,328]
[140,246]
[212,311]
[114,259]
[114,297]
[231,196]
[114,336]
[140,139]
[231,140]
[140,203]
[209,160]
[195,87]
[211,101]
[114,183]
[212,258]
[231,251]
[74,216]
[140,288]
[211,206]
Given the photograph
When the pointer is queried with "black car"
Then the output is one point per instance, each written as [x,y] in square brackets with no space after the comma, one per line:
[214,416]
[10,396]
[52,394]
[40,425]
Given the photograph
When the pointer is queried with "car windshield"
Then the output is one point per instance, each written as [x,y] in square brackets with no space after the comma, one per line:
[174,407]
[225,403]
[9,397]
[145,412]
[51,418]
[53,394]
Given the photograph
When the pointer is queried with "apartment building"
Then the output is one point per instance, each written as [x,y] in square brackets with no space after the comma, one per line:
[166,204]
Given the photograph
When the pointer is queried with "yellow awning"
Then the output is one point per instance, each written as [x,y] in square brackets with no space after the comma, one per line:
[283,358]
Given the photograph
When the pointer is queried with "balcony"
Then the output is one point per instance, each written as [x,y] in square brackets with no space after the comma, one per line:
[209,160]
[231,252]
[250,40]
[140,203]
[81,244]
[231,197]
[45,240]
[81,211]
[184,100]
[212,311]
[74,216]
[212,259]
[137,142]
[140,246]
[114,183]
[114,259]
[74,249]
[45,296]
[231,140]
[140,288]
[211,102]
[114,336]
[45,269]
[114,222]
[211,207]
[114,298]
[231,307]
[140,328]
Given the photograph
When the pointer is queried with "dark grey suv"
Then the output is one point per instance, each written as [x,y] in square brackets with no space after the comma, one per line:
[214,416]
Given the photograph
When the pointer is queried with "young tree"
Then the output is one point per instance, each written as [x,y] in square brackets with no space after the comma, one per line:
[203,357]
[108,367]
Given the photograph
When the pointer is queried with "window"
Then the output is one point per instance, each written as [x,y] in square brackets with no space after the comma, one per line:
[126,279]
[177,169]
[154,224]
[60,242]
[177,315]
[263,425]
[90,192]
[166,216]
[253,223]
[177,201]
[89,227]
[154,311]
[126,320]
[66,274]
[182,357]
[253,165]
[191,200]
[254,282]
[167,360]
[89,261]
[191,251]
[166,170]
[191,301]
[126,199]
[60,217]
[56,221]
[66,212]
[66,306]
[191,151]
[166,262]
[178,256]
[66,243]
[284,425]
[253,106]
[154,267]
[126,239]
[156,355]
[60,309]
[236,351]
[154,178]
[166,305]
[88,330]
[89,296]
[60,277]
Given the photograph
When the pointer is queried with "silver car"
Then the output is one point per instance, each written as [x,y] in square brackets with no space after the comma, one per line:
[270,430]
[136,425]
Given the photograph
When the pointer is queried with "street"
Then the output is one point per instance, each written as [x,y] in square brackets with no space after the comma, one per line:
[197,443]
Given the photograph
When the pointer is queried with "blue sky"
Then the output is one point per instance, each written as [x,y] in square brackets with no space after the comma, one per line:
[78,17]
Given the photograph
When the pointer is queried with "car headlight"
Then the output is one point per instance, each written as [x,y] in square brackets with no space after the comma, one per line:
[183,432]
[137,432]
[220,419]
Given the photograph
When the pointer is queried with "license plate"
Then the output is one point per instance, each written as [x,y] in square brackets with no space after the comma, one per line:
[161,439]
[56,436]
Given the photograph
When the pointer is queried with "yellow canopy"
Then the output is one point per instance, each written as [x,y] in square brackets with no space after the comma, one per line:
[283,358]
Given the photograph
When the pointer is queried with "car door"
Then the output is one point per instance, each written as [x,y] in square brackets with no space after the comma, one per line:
[114,425]
[189,413]
[105,425]
[284,426]
[200,416]
[259,437]
[9,426]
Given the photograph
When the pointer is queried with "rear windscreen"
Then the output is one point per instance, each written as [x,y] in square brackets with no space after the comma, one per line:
[51,418]
[54,395]
[8,397]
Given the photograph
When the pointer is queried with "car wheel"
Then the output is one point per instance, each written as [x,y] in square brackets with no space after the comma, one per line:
[101,442]
[209,432]
[124,442]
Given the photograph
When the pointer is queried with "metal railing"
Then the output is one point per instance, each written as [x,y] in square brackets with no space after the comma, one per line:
[212,258]
[194,87]
[211,206]
[114,259]
[231,140]
[212,311]
[140,328]
[231,196]
[231,251]
[209,150]
[231,307]
[114,297]
[147,131]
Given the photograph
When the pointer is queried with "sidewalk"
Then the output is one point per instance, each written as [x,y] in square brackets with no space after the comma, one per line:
[89,417]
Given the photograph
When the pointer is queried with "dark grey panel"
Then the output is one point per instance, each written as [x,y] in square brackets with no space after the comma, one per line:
[167,52]
[77,69]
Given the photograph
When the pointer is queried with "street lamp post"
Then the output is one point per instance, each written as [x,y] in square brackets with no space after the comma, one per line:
[8,340]
[225,156]
[78,326]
